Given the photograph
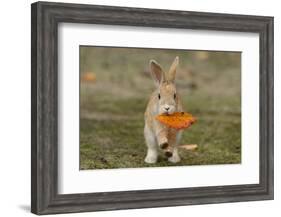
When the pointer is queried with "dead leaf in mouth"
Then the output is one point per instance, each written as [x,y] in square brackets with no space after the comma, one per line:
[177,120]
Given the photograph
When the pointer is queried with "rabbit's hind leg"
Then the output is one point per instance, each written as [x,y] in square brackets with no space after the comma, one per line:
[152,149]
[175,157]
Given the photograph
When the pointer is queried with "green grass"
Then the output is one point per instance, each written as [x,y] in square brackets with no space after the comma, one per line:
[112,139]
[111,110]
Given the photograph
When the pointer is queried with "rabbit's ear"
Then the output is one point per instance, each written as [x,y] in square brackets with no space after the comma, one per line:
[173,69]
[156,72]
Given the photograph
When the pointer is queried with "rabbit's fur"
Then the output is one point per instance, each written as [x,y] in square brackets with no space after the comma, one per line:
[164,100]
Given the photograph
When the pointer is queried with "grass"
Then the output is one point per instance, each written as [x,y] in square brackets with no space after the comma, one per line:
[111,110]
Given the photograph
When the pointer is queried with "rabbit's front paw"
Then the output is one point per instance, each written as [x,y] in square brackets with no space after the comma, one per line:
[168,154]
[164,145]
[167,149]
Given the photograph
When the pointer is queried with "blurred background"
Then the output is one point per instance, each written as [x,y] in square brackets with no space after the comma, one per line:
[115,85]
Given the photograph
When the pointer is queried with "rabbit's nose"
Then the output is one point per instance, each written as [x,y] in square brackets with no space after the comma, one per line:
[167,108]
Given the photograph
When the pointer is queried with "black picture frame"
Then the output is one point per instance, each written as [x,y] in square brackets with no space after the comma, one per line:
[45,17]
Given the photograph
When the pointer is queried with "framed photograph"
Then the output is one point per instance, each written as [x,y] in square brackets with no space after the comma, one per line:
[136,108]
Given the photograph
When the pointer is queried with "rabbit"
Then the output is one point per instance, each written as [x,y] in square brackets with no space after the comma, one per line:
[164,100]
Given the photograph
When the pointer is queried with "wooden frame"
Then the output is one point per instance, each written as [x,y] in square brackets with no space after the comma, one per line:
[45,19]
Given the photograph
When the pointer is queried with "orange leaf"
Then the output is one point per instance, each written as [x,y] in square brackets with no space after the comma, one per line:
[177,120]
[89,77]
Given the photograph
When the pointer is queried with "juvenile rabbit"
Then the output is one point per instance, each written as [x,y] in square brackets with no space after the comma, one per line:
[164,100]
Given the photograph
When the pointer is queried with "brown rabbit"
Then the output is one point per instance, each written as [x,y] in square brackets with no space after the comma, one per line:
[164,100]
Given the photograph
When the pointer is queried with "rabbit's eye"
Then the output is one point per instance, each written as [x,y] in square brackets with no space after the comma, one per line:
[159,97]
[175,95]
